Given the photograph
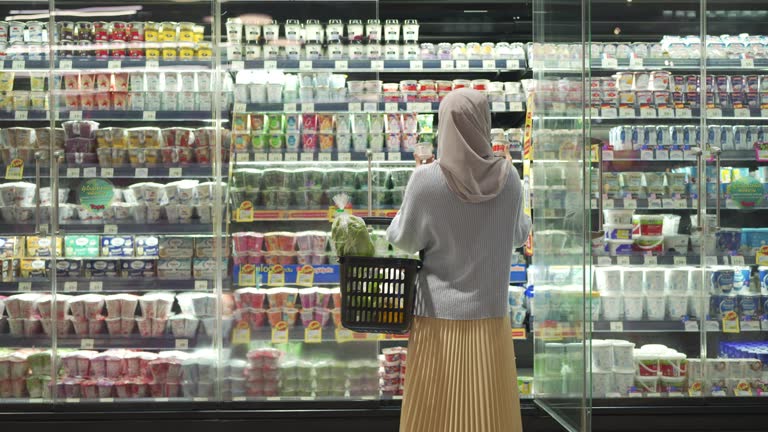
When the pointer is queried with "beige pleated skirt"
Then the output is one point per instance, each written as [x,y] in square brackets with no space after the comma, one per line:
[461,377]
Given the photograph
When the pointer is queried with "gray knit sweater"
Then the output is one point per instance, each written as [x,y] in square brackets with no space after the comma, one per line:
[467,247]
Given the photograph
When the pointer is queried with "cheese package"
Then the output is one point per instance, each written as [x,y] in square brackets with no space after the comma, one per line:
[176,247]
[205,268]
[42,246]
[147,246]
[10,246]
[116,246]
[174,268]
[101,268]
[68,267]
[81,246]
[138,268]
[204,247]
[34,267]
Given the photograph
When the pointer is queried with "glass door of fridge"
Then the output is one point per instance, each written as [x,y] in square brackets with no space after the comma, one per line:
[556,154]
[137,164]
[30,310]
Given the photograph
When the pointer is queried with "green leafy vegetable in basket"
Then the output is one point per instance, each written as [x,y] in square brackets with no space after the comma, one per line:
[349,233]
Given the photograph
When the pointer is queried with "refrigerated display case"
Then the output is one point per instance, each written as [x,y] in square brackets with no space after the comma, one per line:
[165,228]
[673,127]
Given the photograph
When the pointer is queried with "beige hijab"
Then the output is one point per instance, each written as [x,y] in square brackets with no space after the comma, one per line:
[464,150]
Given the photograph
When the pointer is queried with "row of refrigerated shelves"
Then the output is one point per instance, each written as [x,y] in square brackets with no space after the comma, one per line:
[64,64]
[676,260]
[565,112]
[734,65]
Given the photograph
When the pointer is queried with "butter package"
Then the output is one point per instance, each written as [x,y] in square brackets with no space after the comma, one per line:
[10,269]
[138,268]
[176,247]
[204,247]
[147,246]
[81,246]
[34,267]
[116,246]
[68,267]
[205,268]
[42,246]
[101,268]
[174,268]
[10,246]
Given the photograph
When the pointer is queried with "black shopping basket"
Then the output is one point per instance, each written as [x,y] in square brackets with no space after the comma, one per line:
[377,294]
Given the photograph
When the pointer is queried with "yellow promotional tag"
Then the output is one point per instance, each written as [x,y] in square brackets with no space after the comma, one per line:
[280,332]
[731,322]
[241,334]
[247,275]
[15,170]
[276,276]
[761,258]
[518,333]
[244,213]
[694,389]
[528,131]
[742,389]
[313,333]
[305,276]
[344,335]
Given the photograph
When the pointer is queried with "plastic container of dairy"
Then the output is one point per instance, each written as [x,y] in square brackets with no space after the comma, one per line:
[633,307]
[618,217]
[612,306]
[655,306]
[618,232]
[620,247]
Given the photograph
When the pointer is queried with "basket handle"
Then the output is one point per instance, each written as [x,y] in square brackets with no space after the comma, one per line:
[377,220]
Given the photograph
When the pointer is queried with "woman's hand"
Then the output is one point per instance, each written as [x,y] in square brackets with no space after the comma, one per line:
[423,159]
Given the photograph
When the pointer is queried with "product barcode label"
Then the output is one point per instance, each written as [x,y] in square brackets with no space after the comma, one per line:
[86,344]
[25,286]
[149,115]
[70,286]
[201,285]
[182,343]
[174,172]
[21,115]
[89,172]
[95,286]
[617,326]
[18,65]
[107,172]
[73,172]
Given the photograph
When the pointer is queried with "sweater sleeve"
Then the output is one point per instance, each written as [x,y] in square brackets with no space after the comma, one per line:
[408,230]
[523,227]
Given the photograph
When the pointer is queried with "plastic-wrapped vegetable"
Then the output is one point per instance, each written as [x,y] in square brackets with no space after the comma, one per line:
[349,233]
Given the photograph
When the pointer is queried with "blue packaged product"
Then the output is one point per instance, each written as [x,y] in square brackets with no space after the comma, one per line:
[147,246]
[749,305]
[722,280]
[764,303]
[135,268]
[68,267]
[101,268]
[741,278]
[762,273]
[728,239]
[720,304]
[116,246]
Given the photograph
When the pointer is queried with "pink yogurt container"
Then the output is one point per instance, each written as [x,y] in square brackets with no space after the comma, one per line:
[247,242]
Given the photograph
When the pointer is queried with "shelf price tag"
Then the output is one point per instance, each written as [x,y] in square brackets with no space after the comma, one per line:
[305,65]
[307,157]
[114,64]
[680,260]
[731,322]
[417,65]
[650,260]
[341,65]
[239,107]
[237,65]
[152,64]
[515,106]
[149,115]
[25,286]
[748,63]
[737,260]
[289,107]
[86,344]
[70,286]
[377,64]
[305,276]
[617,326]
[741,112]
[626,112]
[691,325]
[75,115]
[622,260]
[370,107]
[276,275]
[313,333]
[141,172]
[89,172]
[462,64]
[714,112]
[106,400]
[647,112]
[344,335]
[110,229]
[391,107]
[446,64]
[655,203]
[683,113]
[394,156]
[345,157]
[324,157]
[275,157]
[307,107]
[244,213]
[175,172]
[182,343]
[95,286]
[291,157]
[636,62]
[201,285]
[378,157]
[604,260]
[489,64]
[258,157]
[354,107]
[609,203]
[65,64]
[280,332]
[73,172]
[710,261]
[15,170]
[21,115]
[630,204]
[665,112]
[18,65]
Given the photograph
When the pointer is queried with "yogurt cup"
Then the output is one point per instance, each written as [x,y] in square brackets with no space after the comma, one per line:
[602,383]
[632,280]
[722,280]
[672,364]
[648,225]
[623,381]
[648,244]
[677,306]
[677,280]
[654,280]
[655,306]
[698,305]
[619,247]
[623,355]
[612,306]
[676,244]
[633,307]
[602,355]
[618,232]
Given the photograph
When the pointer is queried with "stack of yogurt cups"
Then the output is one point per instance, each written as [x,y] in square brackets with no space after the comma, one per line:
[613,368]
